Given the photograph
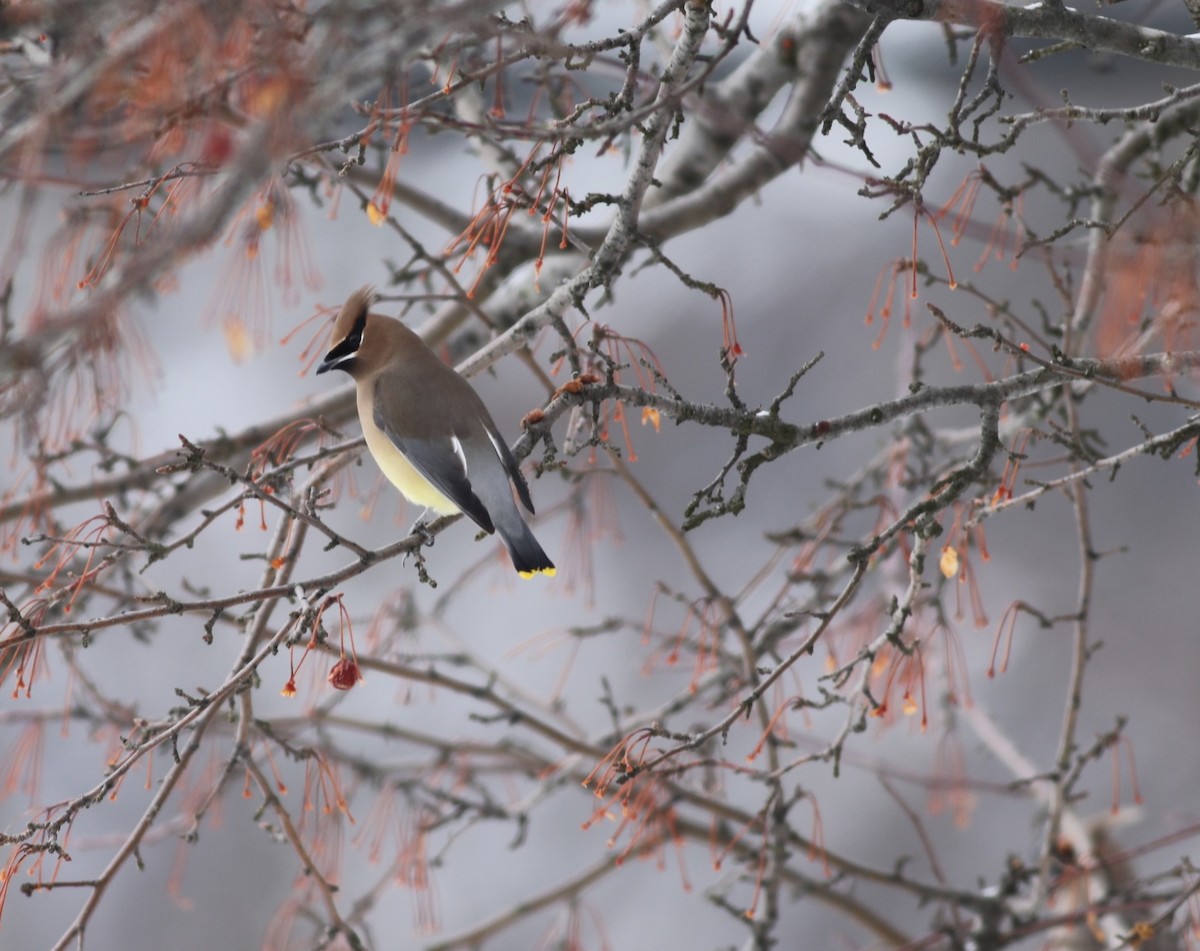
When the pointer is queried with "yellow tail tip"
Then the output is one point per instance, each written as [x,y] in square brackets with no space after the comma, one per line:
[548,572]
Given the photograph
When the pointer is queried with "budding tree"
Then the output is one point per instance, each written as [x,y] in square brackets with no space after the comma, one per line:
[857,627]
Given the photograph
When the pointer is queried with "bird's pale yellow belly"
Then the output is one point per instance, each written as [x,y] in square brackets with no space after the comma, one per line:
[401,473]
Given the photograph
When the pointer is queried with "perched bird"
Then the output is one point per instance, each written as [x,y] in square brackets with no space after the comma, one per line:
[429,431]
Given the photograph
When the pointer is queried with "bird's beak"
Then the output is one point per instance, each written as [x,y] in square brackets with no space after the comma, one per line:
[339,358]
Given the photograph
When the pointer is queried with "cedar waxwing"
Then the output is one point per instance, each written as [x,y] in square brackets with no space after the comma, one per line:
[428,429]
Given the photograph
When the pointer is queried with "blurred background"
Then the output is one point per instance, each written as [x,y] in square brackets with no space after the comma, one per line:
[799,262]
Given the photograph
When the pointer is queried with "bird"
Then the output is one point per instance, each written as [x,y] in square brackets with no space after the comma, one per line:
[428,430]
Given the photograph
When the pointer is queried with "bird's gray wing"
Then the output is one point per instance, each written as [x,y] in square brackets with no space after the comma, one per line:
[437,458]
[511,466]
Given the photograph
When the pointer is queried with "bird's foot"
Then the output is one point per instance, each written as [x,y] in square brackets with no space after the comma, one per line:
[422,529]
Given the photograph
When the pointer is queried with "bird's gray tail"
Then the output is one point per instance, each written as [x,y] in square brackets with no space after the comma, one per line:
[527,555]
